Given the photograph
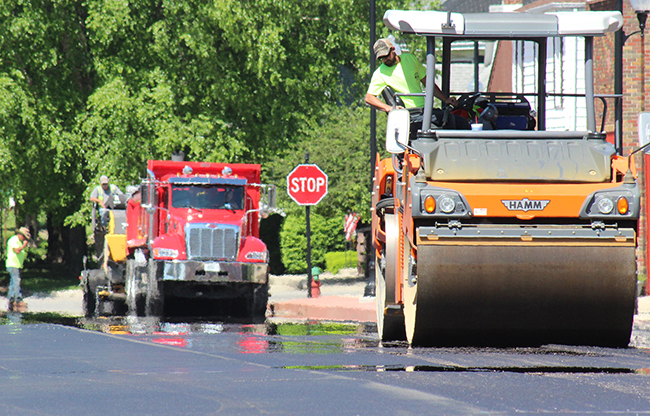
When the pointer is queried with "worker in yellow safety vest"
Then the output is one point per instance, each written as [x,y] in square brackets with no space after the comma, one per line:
[100,197]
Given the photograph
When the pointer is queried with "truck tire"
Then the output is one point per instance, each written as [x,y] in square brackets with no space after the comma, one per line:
[135,295]
[260,298]
[154,299]
[93,279]
[88,297]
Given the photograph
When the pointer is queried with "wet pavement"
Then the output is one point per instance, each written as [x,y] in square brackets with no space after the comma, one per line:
[143,366]
[296,365]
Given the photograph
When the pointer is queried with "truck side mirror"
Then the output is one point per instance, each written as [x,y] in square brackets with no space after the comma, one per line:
[644,132]
[398,130]
[268,200]
[148,198]
[144,194]
[271,197]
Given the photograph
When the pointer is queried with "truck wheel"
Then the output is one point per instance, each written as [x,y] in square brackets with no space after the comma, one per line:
[94,278]
[88,298]
[135,295]
[259,301]
[154,300]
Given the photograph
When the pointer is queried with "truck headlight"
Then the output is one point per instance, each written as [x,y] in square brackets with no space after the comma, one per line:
[165,252]
[447,204]
[605,205]
[256,255]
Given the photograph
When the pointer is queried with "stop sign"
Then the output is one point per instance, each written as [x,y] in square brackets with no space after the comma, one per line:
[307,184]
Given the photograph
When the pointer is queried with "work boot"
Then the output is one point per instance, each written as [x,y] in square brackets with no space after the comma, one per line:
[20,306]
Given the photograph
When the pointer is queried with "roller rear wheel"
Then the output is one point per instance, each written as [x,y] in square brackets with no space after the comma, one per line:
[390,317]
[409,291]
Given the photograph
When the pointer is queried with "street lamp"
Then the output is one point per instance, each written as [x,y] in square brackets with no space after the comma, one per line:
[642,8]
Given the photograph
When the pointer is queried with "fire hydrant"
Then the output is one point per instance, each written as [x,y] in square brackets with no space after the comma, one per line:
[315,282]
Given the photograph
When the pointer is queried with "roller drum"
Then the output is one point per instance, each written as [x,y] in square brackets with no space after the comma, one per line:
[523,295]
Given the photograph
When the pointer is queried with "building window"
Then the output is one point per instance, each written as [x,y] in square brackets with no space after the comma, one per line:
[555,71]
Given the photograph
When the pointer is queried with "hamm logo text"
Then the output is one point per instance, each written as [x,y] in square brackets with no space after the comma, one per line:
[524,204]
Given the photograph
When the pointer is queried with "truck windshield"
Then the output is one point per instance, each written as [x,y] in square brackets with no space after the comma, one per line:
[207,196]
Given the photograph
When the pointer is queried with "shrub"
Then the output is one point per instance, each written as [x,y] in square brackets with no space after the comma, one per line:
[326,235]
[336,260]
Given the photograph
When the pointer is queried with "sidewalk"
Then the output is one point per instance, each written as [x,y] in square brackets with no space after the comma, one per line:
[64,302]
[644,309]
[341,298]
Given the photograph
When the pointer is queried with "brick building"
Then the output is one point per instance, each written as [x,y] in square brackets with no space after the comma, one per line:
[635,98]
[635,87]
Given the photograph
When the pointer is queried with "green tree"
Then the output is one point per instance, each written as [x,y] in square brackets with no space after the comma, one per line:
[45,78]
[339,144]
[92,87]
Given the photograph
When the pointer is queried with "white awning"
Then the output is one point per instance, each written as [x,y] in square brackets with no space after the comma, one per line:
[504,25]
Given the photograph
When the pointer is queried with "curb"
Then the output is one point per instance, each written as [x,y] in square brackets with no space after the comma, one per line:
[299,281]
[331,308]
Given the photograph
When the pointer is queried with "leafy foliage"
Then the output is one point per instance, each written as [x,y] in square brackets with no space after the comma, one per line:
[92,87]
[338,142]
[326,236]
[337,260]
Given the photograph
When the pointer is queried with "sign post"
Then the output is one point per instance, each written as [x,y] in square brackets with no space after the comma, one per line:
[307,185]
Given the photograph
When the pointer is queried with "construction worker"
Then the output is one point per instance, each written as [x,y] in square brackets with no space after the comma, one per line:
[16,254]
[405,74]
[101,196]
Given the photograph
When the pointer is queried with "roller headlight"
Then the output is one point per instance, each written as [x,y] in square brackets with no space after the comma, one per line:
[439,203]
[605,205]
[447,204]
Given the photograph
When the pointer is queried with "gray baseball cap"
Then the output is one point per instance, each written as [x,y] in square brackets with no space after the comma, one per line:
[382,48]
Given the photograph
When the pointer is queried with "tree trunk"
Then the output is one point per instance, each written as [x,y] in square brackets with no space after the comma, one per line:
[66,245]
[76,244]
[54,242]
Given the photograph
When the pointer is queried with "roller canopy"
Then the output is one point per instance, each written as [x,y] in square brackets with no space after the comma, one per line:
[504,25]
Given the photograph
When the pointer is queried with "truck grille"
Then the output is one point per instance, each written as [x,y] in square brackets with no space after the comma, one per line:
[207,243]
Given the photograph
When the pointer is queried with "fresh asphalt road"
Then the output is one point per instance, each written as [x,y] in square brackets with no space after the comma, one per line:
[134,367]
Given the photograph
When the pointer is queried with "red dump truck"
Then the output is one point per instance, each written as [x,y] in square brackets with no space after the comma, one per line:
[188,236]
